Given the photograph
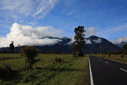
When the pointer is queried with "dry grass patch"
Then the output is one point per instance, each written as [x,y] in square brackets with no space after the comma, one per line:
[114,57]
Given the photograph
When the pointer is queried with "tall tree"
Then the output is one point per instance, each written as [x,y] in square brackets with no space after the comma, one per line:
[79,41]
[12,46]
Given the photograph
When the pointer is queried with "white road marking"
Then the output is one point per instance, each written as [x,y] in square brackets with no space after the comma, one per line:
[123,69]
[91,77]
[106,62]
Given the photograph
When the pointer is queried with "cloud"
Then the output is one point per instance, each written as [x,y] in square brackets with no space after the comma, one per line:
[21,21]
[119,40]
[32,23]
[113,31]
[68,3]
[87,40]
[22,7]
[17,8]
[70,13]
[90,31]
[97,41]
[28,35]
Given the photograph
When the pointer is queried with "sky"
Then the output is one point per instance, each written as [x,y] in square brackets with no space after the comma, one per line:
[26,21]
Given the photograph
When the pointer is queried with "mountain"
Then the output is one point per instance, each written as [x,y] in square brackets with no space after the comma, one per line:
[92,45]
[121,44]
[96,42]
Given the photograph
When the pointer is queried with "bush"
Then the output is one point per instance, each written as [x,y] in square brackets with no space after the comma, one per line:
[75,55]
[58,59]
[30,53]
[80,54]
[6,70]
[7,67]
[109,54]
[122,56]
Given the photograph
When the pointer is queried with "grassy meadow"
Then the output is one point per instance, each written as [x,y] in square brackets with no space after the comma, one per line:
[71,71]
[114,57]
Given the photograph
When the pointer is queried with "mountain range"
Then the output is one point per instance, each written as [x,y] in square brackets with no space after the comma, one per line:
[92,45]
[121,44]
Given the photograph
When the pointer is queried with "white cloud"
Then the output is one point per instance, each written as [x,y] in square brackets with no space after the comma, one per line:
[87,40]
[119,40]
[70,13]
[90,31]
[112,32]
[20,6]
[97,41]
[17,8]
[21,21]
[32,23]
[68,3]
[22,34]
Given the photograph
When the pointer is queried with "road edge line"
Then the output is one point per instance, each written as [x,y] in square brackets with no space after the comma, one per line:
[91,77]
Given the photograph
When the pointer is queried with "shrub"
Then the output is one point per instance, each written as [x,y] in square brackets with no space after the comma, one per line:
[58,59]
[122,56]
[6,70]
[80,54]
[7,67]
[75,55]
[109,54]
[30,53]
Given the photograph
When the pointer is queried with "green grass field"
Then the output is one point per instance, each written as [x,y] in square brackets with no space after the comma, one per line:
[69,72]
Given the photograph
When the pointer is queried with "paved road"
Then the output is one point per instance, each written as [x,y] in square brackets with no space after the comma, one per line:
[107,72]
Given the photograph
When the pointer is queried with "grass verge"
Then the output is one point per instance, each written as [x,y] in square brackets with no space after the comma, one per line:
[114,57]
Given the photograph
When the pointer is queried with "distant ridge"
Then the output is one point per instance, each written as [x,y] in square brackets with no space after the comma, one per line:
[63,46]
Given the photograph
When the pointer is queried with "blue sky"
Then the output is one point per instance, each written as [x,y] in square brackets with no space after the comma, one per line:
[25,21]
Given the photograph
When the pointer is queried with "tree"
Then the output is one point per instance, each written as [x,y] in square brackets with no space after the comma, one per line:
[21,47]
[12,47]
[125,49]
[79,41]
[30,54]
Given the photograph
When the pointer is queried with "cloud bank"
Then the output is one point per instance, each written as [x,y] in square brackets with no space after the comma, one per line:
[119,40]
[28,35]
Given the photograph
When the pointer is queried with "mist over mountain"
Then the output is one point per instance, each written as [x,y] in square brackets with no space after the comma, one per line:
[121,44]
[93,44]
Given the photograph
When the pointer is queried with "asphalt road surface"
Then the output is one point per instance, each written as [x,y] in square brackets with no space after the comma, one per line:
[107,72]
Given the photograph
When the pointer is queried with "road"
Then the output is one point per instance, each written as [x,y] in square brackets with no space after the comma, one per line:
[107,72]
